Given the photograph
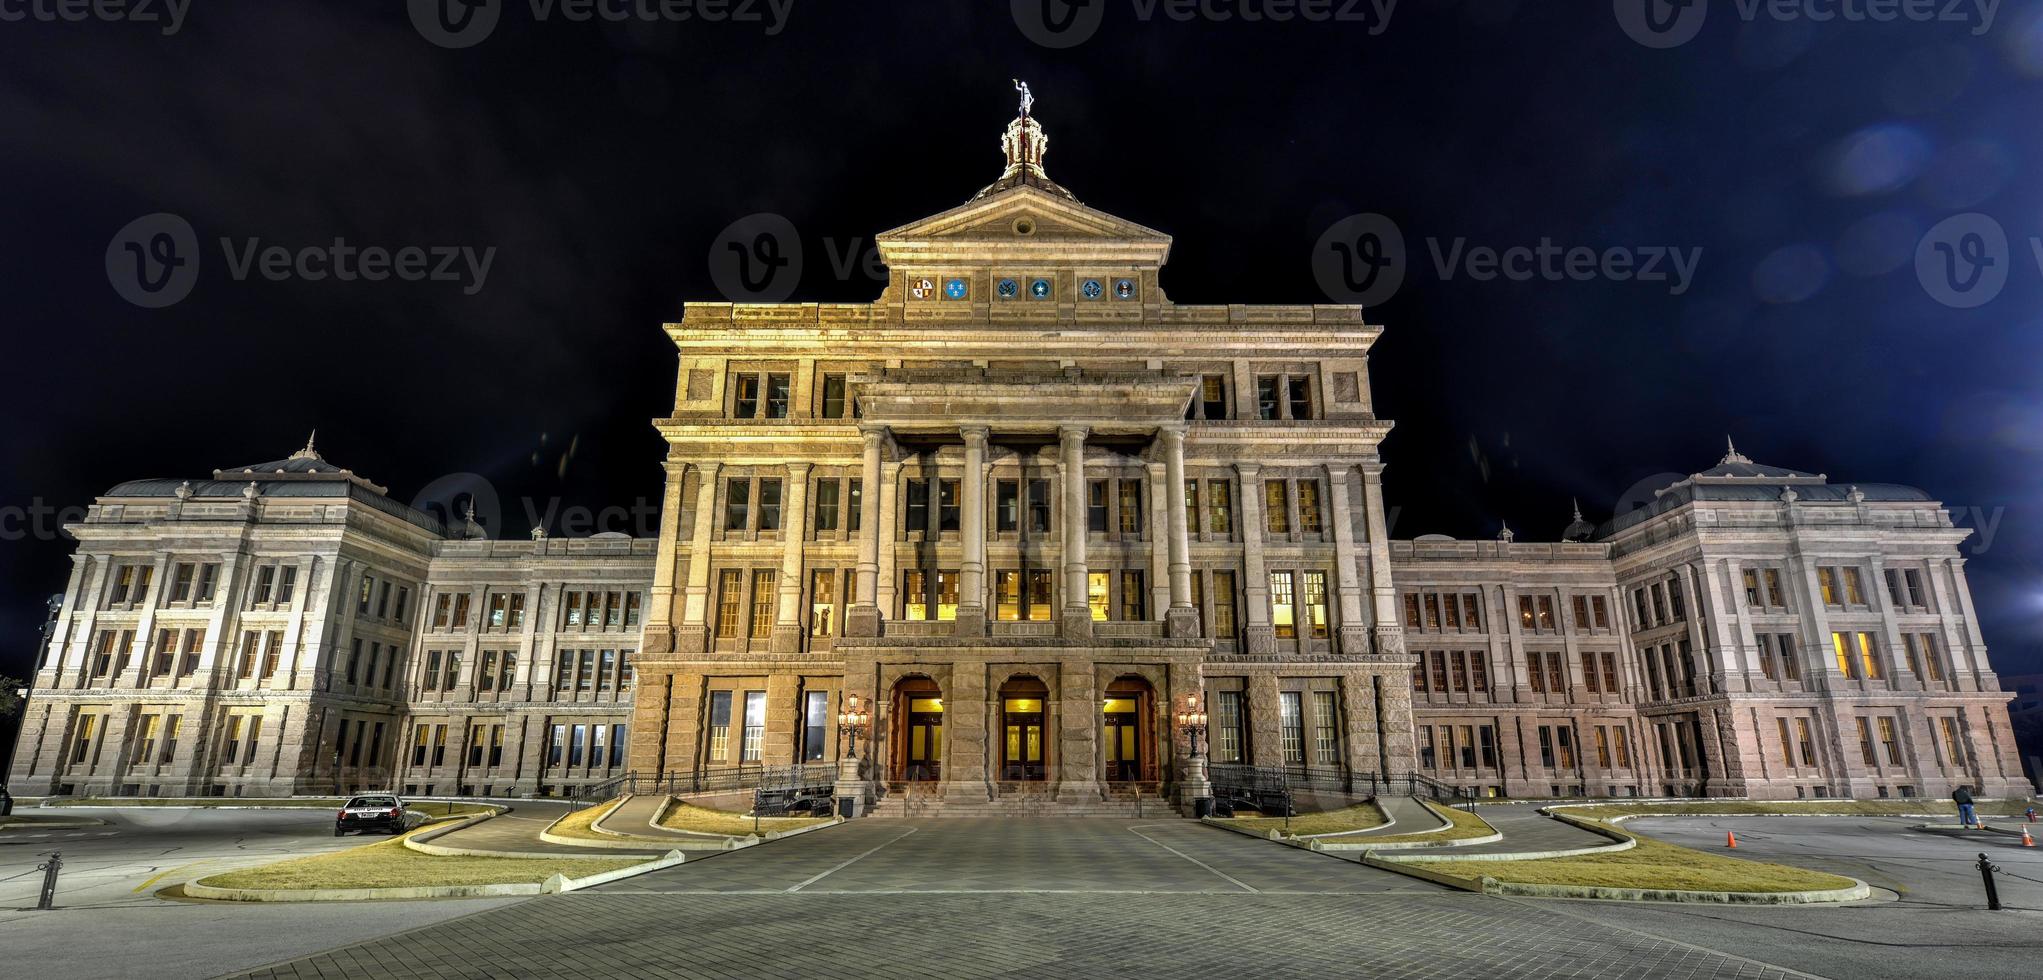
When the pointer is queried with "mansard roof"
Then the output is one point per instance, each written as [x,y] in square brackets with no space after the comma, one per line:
[306,464]
[1737,478]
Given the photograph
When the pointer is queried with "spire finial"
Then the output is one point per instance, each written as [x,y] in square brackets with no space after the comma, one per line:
[1732,455]
[308,452]
[1507,535]
[1577,501]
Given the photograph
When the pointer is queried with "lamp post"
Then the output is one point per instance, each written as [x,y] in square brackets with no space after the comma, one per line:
[850,782]
[1191,719]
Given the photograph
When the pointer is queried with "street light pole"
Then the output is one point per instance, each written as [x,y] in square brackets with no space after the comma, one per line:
[850,779]
[1191,720]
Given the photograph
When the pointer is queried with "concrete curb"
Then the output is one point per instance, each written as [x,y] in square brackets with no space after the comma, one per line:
[1321,844]
[1619,842]
[626,842]
[49,823]
[422,842]
[554,885]
[1953,830]
[1859,890]
[1388,822]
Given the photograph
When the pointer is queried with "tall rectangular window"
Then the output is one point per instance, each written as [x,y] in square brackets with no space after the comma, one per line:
[1869,657]
[815,725]
[1219,507]
[745,403]
[719,726]
[1283,605]
[826,504]
[287,584]
[823,602]
[1299,390]
[737,505]
[1096,595]
[1326,742]
[1007,595]
[947,595]
[1890,741]
[730,600]
[1131,507]
[1787,741]
[1316,603]
[1229,726]
[1266,399]
[833,396]
[1039,595]
[776,396]
[1039,507]
[763,600]
[1291,717]
[1826,582]
[1842,648]
[1866,743]
[1007,506]
[1806,743]
[1132,596]
[769,505]
[1309,520]
[1223,604]
[854,504]
[947,509]
[1854,587]
[755,726]
[1276,507]
[916,517]
[1096,507]
[181,583]
[914,594]
[1213,396]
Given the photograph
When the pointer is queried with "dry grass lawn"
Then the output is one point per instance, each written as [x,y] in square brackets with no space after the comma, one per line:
[1650,864]
[702,820]
[581,823]
[389,864]
[1361,816]
[1867,808]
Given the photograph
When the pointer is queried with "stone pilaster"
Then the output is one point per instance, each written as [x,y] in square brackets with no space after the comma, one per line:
[1077,619]
[863,618]
[971,619]
[1259,637]
[1182,621]
[1351,635]
[966,737]
[693,634]
[1078,724]
[794,532]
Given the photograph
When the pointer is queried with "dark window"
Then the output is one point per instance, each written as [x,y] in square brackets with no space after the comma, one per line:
[1096,506]
[855,500]
[947,505]
[1039,506]
[1007,506]
[738,505]
[1300,392]
[918,506]
[833,396]
[815,726]
[746,404]
[776,396]
[826,505]
[769,505]
[1266,398]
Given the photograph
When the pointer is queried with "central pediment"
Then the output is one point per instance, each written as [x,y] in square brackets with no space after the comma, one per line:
[1027,223]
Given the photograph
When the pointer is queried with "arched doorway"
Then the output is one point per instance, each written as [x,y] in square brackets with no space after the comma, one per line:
[1021,729]
[917,755]
[1128,731]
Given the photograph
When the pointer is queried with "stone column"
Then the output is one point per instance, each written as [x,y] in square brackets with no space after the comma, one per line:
[967,735]
[1389,632]
[863,618]
[693,634]
[1183,619]
[972,571]
[1351,637]
[1077,732]
[1259,636]
[1077,614]
[794,531]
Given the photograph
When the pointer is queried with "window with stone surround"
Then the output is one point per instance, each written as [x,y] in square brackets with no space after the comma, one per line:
[1230,727]
[1220,507]
[1283,605]
[730,600]
[1223,605]
[827,504]
[1315,584]
[1276,507]
[1905,589]
[763,600]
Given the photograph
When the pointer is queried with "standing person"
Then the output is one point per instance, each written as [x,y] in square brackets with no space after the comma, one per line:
[1963,797]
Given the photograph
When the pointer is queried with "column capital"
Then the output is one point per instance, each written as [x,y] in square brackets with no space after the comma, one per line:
[978,434]
[1248,471]
[708,467]
[1173,435]
[1073,433]
[800,470]
[875,436]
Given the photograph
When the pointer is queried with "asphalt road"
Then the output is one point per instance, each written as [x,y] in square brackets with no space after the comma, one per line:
[1937,927]
[108,922]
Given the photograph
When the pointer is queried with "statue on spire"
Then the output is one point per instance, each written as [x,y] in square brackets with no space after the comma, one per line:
[1028,99]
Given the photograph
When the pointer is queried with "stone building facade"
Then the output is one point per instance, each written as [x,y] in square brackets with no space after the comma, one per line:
[1025,508]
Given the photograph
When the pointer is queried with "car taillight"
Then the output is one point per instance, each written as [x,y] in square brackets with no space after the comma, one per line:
[340,815]
[394,811]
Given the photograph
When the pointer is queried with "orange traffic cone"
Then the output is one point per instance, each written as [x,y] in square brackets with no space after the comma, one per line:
[2027,841]
[1731,840]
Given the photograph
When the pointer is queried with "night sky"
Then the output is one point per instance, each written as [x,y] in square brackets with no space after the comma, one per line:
[1806,160]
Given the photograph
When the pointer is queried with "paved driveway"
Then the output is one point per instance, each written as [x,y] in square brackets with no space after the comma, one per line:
[1022,898]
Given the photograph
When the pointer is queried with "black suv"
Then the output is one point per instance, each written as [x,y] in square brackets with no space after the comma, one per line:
[364,813]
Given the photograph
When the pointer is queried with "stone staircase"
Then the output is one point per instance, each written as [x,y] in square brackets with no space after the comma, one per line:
[1035,800]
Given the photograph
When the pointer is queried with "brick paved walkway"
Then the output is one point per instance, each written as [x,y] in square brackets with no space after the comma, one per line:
[1012,898]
